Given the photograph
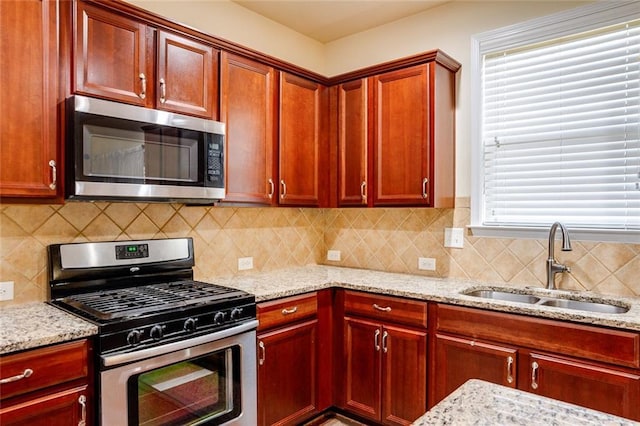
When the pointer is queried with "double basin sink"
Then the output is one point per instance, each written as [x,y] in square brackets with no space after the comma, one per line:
[531,299]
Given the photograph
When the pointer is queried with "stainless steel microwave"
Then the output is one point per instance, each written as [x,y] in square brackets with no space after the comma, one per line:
[123,152]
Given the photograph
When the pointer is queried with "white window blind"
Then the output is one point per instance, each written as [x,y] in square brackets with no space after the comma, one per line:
[561,131]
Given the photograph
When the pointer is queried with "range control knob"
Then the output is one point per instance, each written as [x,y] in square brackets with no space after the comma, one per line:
[156,332]
[218,318]
[236,313]
[190,325]
[134,337]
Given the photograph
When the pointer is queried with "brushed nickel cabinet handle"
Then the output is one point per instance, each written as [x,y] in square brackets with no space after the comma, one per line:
[54,174]
[263,353]
[380,308]
[534,375]
[26,373]
[143,86]
[510,369]
[376,340]
[163,91]
[425,181]
[363,191]
[293,310]
[272,188]
[284,189]
[384,341]
[82,400]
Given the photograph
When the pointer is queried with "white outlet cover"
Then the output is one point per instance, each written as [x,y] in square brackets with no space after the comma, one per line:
[333,255]
[245,263]
[6,290]
[426,264]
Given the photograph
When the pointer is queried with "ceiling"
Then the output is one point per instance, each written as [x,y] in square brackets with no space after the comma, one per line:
[328,20]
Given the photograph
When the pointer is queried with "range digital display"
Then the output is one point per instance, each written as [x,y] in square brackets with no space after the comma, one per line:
[132,251]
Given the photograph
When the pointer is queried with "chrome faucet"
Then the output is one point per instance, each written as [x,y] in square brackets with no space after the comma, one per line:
[552,266]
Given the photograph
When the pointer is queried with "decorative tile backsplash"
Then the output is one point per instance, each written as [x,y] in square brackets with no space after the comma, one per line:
[387,239]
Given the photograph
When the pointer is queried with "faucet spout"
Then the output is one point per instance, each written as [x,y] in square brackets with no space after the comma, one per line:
[553,267]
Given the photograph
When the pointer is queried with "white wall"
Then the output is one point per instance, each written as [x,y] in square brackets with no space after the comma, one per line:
[448,27]
[227,20]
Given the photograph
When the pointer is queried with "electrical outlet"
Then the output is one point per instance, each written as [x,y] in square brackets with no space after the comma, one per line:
[333,255]
[245,263]
[454,237]
[426,263]
[6,290]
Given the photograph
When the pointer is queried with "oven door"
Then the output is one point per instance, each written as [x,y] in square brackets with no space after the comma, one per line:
[209,383]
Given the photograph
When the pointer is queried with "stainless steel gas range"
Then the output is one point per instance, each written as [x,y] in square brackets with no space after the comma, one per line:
[170,350]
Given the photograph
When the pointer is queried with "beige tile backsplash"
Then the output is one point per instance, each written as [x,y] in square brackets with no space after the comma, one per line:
[388,239]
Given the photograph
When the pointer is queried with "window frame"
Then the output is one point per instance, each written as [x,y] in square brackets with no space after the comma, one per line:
[557,25]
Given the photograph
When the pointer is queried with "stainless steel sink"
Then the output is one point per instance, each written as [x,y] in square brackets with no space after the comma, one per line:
[578,305]
[504,295]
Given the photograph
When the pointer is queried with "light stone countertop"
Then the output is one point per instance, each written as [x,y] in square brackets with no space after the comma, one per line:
[38,324]
[481,403]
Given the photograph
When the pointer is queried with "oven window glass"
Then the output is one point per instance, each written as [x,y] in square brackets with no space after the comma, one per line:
[203,390]
[130,150]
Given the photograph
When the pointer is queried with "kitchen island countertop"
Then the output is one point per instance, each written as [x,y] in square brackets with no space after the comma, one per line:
[477,402]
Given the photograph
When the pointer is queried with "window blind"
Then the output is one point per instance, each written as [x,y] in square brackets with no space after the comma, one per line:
[561,131]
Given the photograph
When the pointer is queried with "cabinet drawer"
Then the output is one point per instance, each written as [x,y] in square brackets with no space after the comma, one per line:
[285,311]
[386,308]
[576,340]
[49,366]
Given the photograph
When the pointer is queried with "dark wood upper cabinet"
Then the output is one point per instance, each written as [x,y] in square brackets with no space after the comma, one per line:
[396,138]
[126,60]
[114,56]
[187,76]
[303,148]
[248,107]
[31,56]
[352,143]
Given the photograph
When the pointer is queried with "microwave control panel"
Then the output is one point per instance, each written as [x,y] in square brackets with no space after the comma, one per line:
[215,161]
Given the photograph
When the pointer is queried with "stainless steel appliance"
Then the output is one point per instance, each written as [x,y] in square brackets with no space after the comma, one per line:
[124,152]
[170,350]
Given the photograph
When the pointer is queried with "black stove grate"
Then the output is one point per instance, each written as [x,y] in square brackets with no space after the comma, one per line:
[135,301]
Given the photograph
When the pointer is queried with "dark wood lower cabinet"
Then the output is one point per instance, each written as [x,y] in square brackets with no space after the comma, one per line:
[59,409]
[584,365]
[597,387]
[458,360]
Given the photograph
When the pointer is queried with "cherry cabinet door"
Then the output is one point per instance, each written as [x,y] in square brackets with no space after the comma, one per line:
[187,79]
[459,359]
[248,99]
[401,136]
[114,56]
[404,372]
[67,407]
[303,151]
[287,371]
[362,367]
[597,387]
[29,158]
[352,143]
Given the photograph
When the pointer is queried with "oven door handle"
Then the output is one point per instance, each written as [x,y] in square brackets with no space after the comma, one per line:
[118,359]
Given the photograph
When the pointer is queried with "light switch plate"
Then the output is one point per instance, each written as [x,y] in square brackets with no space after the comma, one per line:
[245,263]
[454,237]
[333,255]
[6,290]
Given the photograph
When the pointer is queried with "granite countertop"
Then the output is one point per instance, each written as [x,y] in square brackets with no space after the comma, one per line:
[292,281]
[37,324]
[481,403]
